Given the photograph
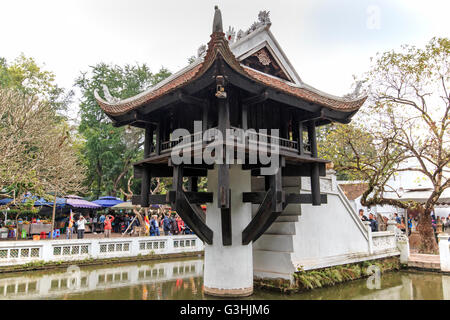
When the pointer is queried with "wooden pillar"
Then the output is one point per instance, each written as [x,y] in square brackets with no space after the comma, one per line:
[158,136]
[177,181]
[224,193]
[224,123]
[205,116]
[193,184]
[244,124]
[315,178]
[148,140]
[146,173]
[276,186]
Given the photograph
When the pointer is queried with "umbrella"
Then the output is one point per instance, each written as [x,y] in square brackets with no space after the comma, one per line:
[78,202]
[107,202]
[60,202]
[125,206]
[5,201]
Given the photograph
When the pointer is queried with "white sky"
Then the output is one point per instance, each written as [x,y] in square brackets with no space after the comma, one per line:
[327,41]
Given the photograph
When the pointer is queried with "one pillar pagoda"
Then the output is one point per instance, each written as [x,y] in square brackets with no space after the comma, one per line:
[239,110]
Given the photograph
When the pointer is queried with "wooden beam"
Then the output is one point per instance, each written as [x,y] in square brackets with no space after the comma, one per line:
[291,198]
[193,197]
[191,100]
[290,170]
[256,99]
[193,217]
[163,171]
[262,216]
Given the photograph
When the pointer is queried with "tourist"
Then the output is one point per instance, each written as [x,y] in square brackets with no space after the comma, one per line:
[180,224]
[154,226]
[101,221]
[108,225]
[69,228]
[166,225]
[362,216]
[95,224]
[81,225]
[397,218]
[402,225]
[373,223]
[126,221]
[173,225]
[134,223]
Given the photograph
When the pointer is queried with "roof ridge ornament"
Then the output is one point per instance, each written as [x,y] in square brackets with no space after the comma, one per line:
[108,97]
[263,21]
[217,23]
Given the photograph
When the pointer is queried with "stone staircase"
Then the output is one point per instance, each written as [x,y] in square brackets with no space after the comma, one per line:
[277,243]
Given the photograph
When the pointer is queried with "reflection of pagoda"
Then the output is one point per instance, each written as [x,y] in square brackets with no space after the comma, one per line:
[239,82]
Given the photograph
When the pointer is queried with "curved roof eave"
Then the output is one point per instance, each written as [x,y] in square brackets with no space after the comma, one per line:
[218,45]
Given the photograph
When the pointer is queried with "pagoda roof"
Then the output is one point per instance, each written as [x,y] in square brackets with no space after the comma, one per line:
[219,48]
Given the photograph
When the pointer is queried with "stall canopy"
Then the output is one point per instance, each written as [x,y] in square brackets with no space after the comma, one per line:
[4,202]
[125,206]
[60,202]
[107,202]
[78,202]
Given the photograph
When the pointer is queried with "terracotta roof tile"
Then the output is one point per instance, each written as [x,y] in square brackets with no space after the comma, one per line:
[219,45]
[353,190]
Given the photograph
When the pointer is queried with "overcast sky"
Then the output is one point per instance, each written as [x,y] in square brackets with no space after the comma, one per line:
[327,41]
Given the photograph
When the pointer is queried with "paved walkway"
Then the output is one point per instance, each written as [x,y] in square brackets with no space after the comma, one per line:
[424,261]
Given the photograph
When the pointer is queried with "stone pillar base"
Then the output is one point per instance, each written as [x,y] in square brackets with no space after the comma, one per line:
[242,292]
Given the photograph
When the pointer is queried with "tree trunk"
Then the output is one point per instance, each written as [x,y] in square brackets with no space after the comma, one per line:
[428,244]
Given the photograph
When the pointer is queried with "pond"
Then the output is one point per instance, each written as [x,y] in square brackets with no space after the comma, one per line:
[182,279]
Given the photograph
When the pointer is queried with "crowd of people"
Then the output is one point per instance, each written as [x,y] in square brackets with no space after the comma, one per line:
[165,223]
[377,221]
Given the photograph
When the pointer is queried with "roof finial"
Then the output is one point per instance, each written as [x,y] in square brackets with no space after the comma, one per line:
[217,23]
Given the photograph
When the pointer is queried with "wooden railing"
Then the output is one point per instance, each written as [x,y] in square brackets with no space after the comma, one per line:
[251,138]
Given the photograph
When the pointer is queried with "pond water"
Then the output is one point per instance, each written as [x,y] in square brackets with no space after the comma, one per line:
[182,279]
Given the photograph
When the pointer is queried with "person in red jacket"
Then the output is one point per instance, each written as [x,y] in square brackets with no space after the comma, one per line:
[180,224]
[108,225]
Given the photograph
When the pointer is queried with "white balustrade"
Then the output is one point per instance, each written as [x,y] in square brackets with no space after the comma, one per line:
[22,252]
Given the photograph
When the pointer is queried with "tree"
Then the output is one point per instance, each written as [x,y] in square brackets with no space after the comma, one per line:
[108,151]
[24,75]
[36,141]
[407,116]
[37,154]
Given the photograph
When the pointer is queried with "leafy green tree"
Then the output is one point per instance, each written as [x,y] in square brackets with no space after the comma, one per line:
[26,76]
[109,152]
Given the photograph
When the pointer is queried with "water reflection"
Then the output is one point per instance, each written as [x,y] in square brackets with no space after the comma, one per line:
[182,279]
[161,280]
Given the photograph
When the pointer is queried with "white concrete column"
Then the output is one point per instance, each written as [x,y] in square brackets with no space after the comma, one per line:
[444,251]
[229,269]
[369,236]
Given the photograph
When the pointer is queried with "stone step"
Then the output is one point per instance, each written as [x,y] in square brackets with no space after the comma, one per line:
[282,218]
[274,242]
[424,265]
[281,228]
